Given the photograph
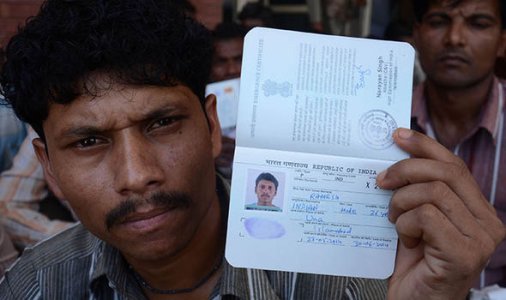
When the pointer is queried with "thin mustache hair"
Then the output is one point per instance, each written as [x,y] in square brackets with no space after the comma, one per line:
[168,200]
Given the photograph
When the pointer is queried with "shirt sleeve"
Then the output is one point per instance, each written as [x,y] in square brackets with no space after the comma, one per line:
[7,252]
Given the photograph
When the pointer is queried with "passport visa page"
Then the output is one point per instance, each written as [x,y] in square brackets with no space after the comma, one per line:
[317,112]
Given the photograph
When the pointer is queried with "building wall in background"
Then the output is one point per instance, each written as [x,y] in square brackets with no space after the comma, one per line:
[15,12]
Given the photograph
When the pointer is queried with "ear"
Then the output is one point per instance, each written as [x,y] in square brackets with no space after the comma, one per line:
[40,150]
[214,124]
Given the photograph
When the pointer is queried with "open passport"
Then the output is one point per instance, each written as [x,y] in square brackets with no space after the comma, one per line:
[317,113]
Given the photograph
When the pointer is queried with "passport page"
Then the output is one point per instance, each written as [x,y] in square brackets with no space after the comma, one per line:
[317,113]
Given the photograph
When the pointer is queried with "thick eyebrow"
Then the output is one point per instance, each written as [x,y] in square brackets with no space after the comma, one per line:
[82,131]
[79,131]
[158,113]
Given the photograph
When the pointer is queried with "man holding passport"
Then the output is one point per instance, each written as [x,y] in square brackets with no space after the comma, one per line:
[115,90]
[461,104]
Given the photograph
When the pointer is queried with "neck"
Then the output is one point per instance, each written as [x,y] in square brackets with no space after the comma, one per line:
[264,203]
[191,264]
[454,112]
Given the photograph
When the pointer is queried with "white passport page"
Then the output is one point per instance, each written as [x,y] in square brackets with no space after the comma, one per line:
[317,112]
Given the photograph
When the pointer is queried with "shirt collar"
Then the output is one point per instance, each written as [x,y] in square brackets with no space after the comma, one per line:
[489,118]
[109,267]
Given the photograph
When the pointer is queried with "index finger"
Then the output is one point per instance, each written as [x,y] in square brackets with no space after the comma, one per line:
[430,161]
[434,163]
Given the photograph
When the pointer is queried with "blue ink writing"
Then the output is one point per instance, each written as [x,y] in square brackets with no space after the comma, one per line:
[323,196]
[311,218]
[348,211]
[378,213]
[362,73]
[305,207]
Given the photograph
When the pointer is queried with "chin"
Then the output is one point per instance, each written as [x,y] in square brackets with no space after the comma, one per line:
[453,82]
[155,250]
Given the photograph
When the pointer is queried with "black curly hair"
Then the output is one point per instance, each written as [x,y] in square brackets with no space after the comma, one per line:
[267,177]
[134,42]
[421,6]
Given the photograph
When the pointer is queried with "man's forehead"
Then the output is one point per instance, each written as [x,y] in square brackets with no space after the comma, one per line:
[109,110]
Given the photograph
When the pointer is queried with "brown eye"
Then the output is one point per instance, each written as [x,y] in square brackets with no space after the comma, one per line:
[164,122]
[437,22]
[480,24]
[87,142]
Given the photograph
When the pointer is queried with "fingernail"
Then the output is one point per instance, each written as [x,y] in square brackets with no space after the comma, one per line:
[404,133]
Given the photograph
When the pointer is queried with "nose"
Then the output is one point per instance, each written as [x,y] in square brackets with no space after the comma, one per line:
[455,35]
[138,170]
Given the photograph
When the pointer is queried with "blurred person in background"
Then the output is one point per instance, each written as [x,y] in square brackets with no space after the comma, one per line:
[228,40]
[461,102]
[29,212]
[12,132]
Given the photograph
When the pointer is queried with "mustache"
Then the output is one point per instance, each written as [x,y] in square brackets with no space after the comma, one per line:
[164,200]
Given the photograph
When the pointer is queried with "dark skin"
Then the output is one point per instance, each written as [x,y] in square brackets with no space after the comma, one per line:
[447,228]
[458,47]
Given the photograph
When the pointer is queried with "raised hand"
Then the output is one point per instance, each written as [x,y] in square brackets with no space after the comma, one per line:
[447,229]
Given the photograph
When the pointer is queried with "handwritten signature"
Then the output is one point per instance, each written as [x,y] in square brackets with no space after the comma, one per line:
[362,73]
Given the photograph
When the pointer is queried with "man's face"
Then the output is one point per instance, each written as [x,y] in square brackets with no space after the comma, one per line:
[227,59]
[265,190]
[458,45]
[136,164]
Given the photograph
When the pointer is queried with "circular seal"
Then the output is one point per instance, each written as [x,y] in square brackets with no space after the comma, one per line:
[376,129]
